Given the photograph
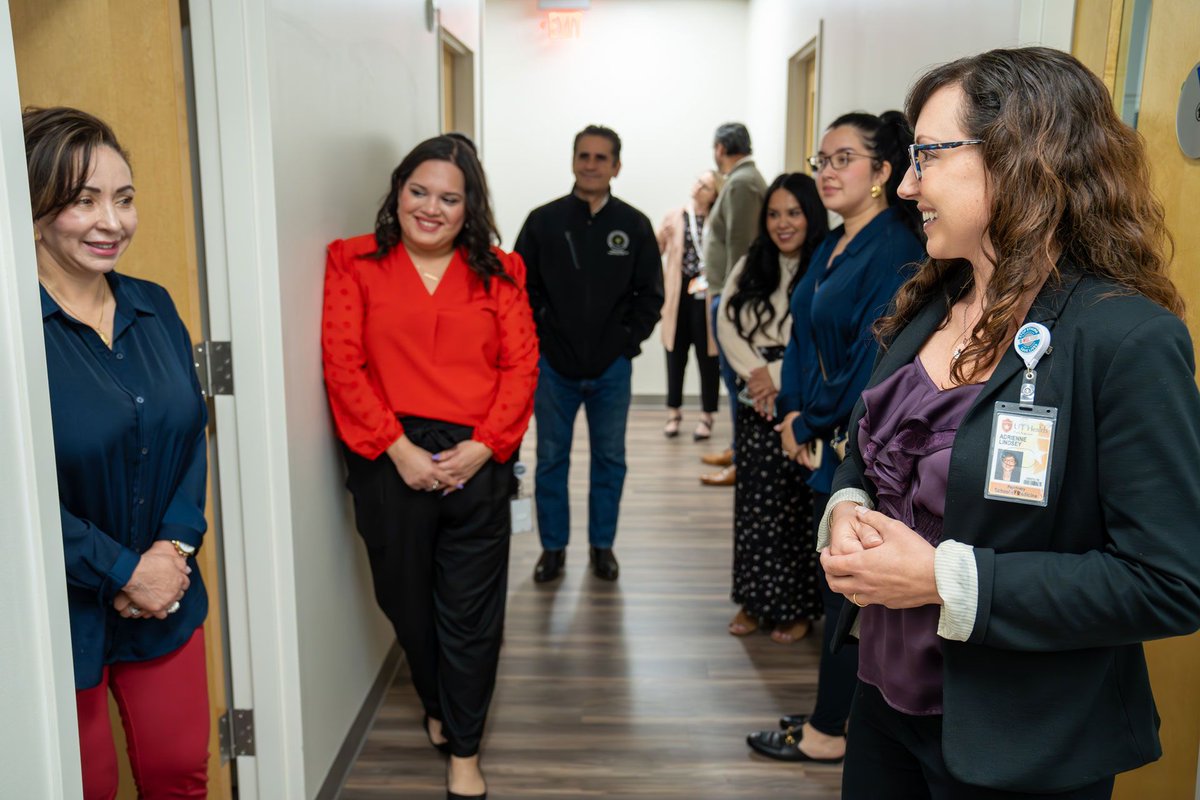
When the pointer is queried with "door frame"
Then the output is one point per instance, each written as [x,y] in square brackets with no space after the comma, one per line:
[234,141]
[40,741]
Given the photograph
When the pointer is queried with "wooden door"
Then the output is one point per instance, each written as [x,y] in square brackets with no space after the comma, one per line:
[1101,38]
[122,60]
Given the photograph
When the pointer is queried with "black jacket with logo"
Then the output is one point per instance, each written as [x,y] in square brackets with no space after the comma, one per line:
[594,281]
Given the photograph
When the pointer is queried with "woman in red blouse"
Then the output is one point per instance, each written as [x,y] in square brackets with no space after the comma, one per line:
[430,363]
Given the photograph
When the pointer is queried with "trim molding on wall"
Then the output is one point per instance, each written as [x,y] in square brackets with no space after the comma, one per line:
[356,737]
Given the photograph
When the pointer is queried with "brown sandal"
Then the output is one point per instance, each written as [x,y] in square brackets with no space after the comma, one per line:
[792,632]
[742,624]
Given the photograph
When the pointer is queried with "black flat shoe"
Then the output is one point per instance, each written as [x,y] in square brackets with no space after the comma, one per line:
[782,746]
[452,796]
[549,566]
[792,721]
[604,563]
[444,747]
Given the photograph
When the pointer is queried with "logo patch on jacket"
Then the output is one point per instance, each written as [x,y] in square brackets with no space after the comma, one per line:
[618,243]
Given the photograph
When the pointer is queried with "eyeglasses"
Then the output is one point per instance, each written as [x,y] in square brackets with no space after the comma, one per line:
[839,160]
[920,154]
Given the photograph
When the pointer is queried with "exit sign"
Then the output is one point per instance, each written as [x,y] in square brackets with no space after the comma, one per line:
[564,24]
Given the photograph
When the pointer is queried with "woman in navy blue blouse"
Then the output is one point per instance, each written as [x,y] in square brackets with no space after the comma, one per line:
[851,280]
[129,424]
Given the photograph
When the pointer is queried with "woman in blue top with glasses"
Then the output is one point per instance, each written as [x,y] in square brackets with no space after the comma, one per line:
[851,280]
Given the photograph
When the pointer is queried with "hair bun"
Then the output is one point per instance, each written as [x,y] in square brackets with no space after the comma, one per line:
[897,126]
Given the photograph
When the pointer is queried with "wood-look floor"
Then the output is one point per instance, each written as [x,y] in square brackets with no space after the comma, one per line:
[626,690]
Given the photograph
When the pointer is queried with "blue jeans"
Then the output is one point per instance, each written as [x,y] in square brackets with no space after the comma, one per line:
[605,400]
[728,376]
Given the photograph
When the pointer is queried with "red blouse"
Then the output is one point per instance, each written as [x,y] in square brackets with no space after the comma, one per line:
[464,354]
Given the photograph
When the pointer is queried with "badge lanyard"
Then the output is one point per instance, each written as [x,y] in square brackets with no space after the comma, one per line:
[698,284]
[1023,433]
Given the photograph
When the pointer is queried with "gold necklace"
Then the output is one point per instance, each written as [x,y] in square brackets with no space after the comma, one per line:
[99,326]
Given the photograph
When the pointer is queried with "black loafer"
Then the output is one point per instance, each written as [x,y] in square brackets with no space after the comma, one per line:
[452,796]
[604,563]
[549,566]
[783,746]
[792,721]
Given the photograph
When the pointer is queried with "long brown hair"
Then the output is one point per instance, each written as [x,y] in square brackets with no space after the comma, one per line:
[1066,176]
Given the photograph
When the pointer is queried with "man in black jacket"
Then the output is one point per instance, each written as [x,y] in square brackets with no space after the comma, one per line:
[595,285]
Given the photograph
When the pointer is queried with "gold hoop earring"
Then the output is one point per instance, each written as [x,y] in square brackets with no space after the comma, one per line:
[876,191]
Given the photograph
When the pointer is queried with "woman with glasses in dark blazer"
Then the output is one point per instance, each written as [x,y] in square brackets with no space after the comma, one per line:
[1001,621]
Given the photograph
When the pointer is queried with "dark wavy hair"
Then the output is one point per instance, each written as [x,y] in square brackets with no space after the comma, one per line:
[760,275]
[478,232]
[59,145]
[888,136]
[1067,178]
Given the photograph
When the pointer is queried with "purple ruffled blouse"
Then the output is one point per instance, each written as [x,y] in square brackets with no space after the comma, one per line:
[905,437]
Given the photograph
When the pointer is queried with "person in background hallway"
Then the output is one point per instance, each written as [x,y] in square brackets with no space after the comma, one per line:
[775,568]
[595,284]
[854,275]
[1001,631]
[684,323]
[732,225]
[430,365]
[131,457]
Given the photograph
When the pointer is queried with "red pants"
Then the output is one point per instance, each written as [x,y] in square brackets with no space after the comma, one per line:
[164,709]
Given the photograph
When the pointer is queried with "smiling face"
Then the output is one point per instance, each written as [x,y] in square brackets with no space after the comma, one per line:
[786,223]
[952,193]
[432,207]
[91,233]
[594,165]
[848,191]
[1010,463]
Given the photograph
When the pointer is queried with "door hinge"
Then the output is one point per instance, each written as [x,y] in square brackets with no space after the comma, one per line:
[235,730]
[214,367]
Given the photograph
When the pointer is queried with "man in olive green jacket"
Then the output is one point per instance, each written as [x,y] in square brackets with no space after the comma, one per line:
[732,225]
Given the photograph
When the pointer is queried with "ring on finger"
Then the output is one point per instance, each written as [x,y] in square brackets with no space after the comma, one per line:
[854,599]
[436,484]
[134,611]
[171,609]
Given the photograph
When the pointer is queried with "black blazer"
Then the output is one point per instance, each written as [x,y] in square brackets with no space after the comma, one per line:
[1051,692]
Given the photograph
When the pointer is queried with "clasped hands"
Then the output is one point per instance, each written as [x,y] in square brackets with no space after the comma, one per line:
[874,559]
[447,471]
[158,582]
[762,390]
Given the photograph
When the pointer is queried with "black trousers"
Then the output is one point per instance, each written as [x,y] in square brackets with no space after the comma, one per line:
[440,569]
[838,672]
[691,331]
[896,756]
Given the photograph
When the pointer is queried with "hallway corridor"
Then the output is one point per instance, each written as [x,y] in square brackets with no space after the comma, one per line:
[628,690]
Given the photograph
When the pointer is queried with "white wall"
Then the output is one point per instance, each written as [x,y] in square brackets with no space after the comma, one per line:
[872,52]
[353,87]
[662,73]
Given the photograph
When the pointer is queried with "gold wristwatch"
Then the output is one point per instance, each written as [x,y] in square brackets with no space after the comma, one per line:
[183,548]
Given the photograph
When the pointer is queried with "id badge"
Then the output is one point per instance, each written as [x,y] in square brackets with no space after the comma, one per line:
[1022,446]
[521,509]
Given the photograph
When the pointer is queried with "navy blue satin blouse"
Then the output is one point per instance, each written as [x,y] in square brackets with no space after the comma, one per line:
[831,351]
[129,442]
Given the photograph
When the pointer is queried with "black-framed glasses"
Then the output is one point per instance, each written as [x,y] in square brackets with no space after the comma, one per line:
[839,160]
[918,153]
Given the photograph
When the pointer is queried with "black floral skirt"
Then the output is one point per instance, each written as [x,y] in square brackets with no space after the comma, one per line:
[774,564]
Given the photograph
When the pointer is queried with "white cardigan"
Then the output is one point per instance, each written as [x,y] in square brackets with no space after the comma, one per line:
[741,354]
